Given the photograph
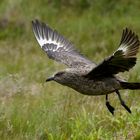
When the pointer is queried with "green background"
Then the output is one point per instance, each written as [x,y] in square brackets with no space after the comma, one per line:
[30,108]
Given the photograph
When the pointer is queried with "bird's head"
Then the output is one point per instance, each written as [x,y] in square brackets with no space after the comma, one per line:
[59,77]
[63,77]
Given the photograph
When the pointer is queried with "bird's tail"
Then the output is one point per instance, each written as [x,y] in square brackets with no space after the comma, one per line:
[133,86]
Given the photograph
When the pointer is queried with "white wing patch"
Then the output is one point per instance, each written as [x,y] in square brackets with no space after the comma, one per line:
[123,47]
[42,41]
[47,36]
[129,44]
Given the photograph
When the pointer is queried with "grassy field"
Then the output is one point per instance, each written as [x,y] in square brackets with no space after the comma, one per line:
[30,109]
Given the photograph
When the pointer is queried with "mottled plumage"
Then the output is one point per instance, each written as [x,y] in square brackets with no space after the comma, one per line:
[82,74]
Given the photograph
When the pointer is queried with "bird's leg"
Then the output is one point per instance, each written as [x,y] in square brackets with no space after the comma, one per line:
[122,102]
[110,108]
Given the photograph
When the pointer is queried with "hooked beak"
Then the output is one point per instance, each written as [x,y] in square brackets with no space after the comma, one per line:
[50,79]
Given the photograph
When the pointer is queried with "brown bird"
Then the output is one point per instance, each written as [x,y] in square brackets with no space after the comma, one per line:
[83,75]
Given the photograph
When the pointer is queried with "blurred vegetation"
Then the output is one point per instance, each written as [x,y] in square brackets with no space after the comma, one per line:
[30,108]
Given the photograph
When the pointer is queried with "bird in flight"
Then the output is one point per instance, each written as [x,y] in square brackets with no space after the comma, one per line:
[82,74]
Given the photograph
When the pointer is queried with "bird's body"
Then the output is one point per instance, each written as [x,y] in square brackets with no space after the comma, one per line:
[83,75]
[96,86]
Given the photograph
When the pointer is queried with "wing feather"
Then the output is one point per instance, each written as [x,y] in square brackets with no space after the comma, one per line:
[57,47]
[122,60]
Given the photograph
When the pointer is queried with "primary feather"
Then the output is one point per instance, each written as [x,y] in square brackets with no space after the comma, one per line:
[122,60]
[57,47]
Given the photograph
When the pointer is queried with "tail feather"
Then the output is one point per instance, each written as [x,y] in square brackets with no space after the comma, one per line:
[133,86]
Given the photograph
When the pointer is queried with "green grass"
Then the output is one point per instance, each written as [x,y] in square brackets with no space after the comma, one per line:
[30,108]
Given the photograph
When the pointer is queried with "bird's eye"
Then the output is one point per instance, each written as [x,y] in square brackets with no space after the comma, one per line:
[59,74]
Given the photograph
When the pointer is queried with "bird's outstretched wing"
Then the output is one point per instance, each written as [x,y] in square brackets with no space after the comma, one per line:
[57,47]
[122,60]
